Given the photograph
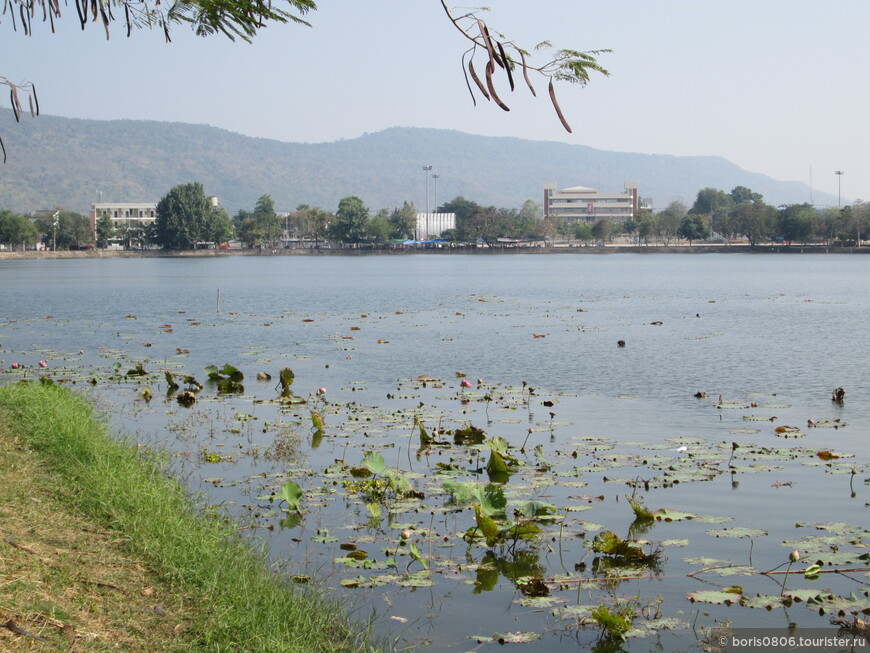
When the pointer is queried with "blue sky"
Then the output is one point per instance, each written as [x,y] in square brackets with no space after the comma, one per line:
[776,86]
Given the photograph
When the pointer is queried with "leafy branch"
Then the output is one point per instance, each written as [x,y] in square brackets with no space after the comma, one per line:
[572,66]
[233,18]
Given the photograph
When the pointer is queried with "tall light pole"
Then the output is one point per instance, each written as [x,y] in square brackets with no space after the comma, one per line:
[54,231]
[839,174]
[435,176]
[426,170]
[97,215]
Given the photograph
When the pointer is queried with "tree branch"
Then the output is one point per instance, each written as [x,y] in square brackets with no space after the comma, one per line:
[566,65]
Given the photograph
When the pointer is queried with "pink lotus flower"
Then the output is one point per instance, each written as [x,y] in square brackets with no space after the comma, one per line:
[321,391]
[465,383]
[15,366]
[43,364]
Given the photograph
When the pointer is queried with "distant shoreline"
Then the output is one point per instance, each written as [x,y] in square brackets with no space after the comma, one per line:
[367,251]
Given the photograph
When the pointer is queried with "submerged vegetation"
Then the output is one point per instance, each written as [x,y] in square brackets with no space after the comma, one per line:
[512,511]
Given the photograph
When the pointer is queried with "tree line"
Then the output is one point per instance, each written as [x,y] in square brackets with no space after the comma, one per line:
[186,219]
[743,214]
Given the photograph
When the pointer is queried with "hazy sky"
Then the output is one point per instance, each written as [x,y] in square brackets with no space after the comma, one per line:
[775,86]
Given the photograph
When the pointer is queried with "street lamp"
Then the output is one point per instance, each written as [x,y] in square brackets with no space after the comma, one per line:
[54,232]
[426,170]
[839,174]
[435,176]
[97,215]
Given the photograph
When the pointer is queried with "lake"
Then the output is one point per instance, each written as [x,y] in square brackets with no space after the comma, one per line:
[525,348]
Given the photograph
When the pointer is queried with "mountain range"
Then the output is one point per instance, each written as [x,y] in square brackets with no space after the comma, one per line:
[72,163]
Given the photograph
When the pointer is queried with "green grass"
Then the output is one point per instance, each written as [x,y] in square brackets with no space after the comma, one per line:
[235,602]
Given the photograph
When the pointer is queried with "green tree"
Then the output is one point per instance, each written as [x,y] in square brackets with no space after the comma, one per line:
[528,220]
[63,229]
[857,226]
[150,230]
[248,232]
[379,228]
[756,221]
[482,224]
[741,194]
[403,222]
[548,228]
[715,204]
[668,221]
[351,221]
[693,227]
[463,209]
[220,226]
[16,229]
[126,233]
[310,223]
[583,231]
[183,217]
[268,224]
[105,230]
[646,225]
[795,222]
[601,230]
[832,223]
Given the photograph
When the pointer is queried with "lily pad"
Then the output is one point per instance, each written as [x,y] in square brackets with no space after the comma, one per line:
[765,602]
[507,638]
[667,514]
[716,597]
[738,531]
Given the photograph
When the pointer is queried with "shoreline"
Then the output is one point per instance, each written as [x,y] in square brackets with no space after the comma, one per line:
[449,251]
[206,586]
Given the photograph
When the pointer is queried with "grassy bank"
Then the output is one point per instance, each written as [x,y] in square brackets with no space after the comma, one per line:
[85,517]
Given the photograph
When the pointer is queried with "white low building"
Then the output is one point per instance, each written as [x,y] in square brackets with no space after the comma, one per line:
[432,225]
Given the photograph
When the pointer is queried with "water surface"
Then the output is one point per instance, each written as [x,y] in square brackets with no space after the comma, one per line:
[777,331]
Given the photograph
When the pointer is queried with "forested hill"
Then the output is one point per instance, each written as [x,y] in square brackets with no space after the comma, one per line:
[72,163]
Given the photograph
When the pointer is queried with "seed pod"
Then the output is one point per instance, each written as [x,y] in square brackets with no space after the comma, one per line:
[556,106]
[490,68]
[468,83]
[526,73]
[13,100]
[506,66]
[477,80]
[484,34]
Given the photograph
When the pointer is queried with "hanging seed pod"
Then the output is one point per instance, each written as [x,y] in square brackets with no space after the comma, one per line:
[477,80]
[526,73]
[490,68]
[506,65]
[484,34]
[558,109]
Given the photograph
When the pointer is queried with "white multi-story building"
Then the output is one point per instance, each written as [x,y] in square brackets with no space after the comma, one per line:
[124,214]
[581,204]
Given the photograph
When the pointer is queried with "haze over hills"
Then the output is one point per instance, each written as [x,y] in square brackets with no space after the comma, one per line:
[73,163]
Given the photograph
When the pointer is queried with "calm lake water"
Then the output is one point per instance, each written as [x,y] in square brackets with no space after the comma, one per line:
[765,337]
